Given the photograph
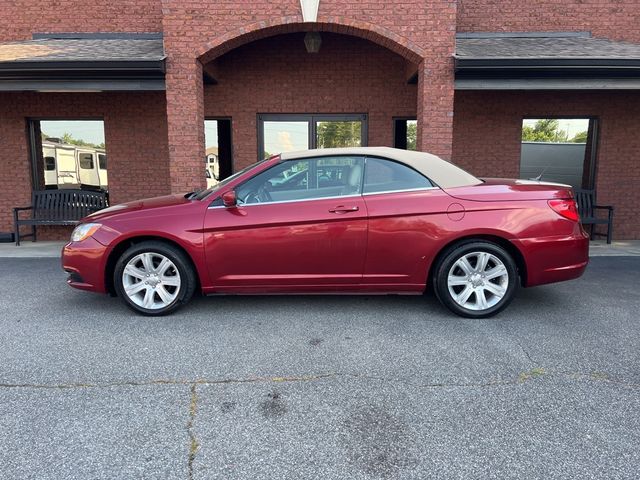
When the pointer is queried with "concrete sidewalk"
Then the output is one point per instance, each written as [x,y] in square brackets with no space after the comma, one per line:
[28,249]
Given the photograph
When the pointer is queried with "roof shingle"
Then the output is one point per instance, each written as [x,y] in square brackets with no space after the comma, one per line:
[535,47]
[82,50]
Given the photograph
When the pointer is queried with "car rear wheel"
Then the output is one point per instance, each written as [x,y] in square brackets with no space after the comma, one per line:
[154,278]
[476,279]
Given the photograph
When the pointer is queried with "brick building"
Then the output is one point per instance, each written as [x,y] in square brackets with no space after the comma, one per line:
[468,71]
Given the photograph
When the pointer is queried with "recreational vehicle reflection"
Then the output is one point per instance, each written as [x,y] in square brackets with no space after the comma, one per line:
[73,166]
[212,171]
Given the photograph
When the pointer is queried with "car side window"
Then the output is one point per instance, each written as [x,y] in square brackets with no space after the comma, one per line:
[304,179]
[388,176]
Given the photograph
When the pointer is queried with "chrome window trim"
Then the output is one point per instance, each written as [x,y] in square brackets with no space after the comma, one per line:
[330,198]
[400,191]
[291,201]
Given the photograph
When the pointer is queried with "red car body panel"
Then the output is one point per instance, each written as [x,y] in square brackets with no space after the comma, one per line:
[302,244]
[371,243]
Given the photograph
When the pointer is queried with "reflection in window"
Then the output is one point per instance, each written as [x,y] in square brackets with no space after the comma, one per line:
[283,136]
[558,150]
[337,134]
[218,162]
[69,152]
[212,154]
[287,133]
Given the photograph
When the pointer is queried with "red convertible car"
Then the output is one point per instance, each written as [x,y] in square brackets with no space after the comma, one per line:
[356,220]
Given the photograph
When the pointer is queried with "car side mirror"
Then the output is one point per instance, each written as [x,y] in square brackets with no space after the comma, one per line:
[229,198]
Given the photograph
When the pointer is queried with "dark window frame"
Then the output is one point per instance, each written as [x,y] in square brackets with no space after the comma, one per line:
[311,119]
[592,145]
[218,118]
[393,129]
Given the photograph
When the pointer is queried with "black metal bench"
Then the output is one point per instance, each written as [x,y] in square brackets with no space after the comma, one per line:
[57,207]
[588,209]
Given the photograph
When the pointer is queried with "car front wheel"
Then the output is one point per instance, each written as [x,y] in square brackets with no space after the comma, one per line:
[154,278]
[476,279]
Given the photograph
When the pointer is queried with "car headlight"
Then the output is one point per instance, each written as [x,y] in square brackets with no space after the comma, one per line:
[83,231]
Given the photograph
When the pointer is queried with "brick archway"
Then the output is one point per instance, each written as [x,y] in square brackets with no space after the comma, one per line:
[189,56]
[292,24]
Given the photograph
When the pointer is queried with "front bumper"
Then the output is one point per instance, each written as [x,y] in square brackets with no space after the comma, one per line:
[85,263]
[555,259]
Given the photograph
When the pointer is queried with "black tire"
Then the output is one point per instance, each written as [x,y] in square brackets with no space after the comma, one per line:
[456,252]
[180,260]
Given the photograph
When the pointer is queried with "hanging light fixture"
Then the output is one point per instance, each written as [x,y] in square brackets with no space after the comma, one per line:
[312,42]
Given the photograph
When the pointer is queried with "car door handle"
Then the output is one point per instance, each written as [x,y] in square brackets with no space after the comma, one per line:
[343,209]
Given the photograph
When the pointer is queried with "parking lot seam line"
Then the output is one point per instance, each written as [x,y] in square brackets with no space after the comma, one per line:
[522,377]
[194,445]
[62,386]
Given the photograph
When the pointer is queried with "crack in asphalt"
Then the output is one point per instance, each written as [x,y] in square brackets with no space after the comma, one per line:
[194,445]
[526,352]
[522,377]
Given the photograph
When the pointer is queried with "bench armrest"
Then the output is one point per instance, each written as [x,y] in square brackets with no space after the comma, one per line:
[603,207]
[17,210]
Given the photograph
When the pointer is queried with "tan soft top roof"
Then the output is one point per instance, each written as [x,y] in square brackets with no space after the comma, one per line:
[441,172]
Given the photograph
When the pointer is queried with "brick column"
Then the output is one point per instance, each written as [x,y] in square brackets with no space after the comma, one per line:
[185,124]
[435,106]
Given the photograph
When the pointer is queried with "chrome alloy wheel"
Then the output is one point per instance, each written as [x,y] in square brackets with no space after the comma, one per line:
[478,281]
[151,280]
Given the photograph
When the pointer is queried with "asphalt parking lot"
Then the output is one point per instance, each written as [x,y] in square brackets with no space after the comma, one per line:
[320,387]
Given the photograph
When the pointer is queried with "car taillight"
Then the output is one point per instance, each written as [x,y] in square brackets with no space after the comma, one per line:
[565,208]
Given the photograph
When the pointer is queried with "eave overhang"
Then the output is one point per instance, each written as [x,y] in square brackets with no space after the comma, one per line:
[86,62]
[573,61]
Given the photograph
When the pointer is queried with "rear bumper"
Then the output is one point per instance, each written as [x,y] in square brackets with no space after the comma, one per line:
[555,259]
[84,262]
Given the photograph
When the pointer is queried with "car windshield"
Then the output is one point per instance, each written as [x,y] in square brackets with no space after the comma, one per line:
[204,193]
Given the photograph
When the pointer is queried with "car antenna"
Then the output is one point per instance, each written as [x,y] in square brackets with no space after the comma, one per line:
[539,177]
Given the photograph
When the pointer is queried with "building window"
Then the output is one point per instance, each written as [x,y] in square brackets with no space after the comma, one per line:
[561,150]
[68,154]
[288,133]
[218,159]
[405,133]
